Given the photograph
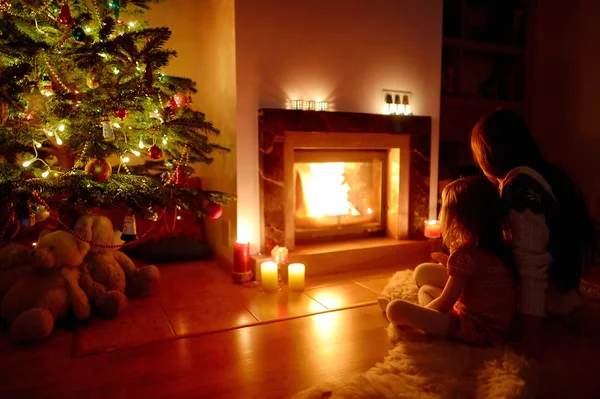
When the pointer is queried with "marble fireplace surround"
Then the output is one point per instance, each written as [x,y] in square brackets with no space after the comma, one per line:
[407,139]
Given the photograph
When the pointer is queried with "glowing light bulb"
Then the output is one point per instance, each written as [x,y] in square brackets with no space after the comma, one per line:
[126,159]
[45,174]
[37,144]
[116,71]
[27,163]
[156,111]
[58,140]
[61,128]
[88,29]
[131,24]
[164,141]
[141,144]
[116,125]
[178,217]
[136,153]
[50,134]
[34,244]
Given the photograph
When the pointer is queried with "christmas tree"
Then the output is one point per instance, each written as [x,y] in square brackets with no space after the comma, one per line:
[81,97]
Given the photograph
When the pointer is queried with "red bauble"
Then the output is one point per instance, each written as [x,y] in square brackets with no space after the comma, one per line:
[121,113]
[213,211]
[155,152]
[98,169]
[172,106]
[181,99]
[64,16]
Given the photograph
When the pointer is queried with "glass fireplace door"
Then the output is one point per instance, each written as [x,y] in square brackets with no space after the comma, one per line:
[339,193]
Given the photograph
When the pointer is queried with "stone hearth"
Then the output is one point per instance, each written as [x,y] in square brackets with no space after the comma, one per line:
[277,124]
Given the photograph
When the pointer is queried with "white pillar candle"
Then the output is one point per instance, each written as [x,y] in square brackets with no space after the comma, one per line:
[268,276]
[296,277]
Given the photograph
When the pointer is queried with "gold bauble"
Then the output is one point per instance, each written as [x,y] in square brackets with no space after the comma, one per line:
[98,169]
[92,79]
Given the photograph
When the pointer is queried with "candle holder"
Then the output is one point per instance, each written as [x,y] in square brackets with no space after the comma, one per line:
[280,256]
[241,263]
[432,229]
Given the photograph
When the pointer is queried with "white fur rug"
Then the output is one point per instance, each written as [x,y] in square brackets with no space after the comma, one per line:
[421,367]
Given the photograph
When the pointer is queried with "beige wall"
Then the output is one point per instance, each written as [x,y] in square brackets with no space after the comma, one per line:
[566,87]
[342,51]
[204,37]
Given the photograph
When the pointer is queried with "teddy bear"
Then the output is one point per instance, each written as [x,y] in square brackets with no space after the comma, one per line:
[111,275]
[45,293]
[16,260]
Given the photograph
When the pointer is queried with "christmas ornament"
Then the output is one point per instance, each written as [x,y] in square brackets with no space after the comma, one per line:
[116,5]
[155,152]
[5,5]
[213,210]
[121,113]
[29,220]
[181,99]
[165,176]
[41,213]
[4,112]
[79,34]
[151,215]
[92,79]
[98,169]
[46,86]
[36,103]
[64,16]
[129,229]
[107,130]
[172,107]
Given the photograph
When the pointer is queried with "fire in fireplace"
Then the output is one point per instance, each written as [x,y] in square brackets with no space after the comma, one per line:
[339,193]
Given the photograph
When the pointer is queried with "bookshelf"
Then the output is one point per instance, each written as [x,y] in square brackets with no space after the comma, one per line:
[484,57]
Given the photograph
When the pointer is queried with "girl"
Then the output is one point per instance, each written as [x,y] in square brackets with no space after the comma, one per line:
[553,234]
[473,297]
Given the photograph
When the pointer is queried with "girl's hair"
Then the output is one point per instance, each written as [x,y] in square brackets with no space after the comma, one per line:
[502,141]
[472,214]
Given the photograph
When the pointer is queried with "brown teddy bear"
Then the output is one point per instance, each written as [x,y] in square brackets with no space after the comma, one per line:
[44,294]
[112,277]
[15,261]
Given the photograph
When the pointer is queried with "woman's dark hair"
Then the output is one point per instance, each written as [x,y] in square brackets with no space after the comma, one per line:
[472,214]
[502,141]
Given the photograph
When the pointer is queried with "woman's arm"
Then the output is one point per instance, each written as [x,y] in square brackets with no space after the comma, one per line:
[452,291]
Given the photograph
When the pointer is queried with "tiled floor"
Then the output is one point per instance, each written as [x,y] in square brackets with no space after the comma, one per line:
[199,297]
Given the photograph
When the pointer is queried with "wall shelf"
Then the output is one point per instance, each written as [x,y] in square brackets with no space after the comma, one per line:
[484,56]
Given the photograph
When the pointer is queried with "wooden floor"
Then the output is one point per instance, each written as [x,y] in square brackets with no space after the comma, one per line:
[263,356]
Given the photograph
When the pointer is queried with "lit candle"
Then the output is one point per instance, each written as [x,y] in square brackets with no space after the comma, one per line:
[296,276]
[268,276]
[279,255]
[433,229]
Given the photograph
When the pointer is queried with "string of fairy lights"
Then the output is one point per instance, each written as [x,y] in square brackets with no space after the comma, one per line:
[113,126]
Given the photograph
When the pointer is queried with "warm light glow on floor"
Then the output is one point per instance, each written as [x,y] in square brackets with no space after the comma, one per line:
[327,324]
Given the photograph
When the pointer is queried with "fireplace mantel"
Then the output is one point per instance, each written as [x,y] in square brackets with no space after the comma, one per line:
[277,124]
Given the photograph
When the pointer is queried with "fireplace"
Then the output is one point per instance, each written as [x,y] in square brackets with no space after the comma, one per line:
[333,176]
[338,194]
